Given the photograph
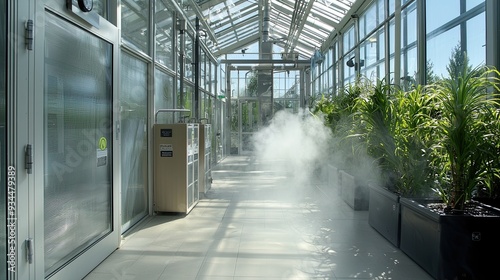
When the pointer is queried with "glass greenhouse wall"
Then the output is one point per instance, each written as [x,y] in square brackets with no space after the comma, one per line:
[406,42]
[153,78]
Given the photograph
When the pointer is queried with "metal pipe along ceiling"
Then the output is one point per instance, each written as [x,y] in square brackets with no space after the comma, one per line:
[299,10]
[265,24]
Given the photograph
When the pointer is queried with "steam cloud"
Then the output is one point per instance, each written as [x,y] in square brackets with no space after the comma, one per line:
[296,143]
[299,145]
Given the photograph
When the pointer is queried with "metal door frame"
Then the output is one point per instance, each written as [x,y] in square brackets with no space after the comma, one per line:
[241,133]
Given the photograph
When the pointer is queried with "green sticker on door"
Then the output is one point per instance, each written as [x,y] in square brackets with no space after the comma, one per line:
[103,143]
[102,152]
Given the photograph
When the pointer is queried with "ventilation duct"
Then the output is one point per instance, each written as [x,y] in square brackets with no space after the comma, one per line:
[265,23]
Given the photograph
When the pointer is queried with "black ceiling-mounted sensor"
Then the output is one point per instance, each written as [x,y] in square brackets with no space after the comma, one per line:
[350,62]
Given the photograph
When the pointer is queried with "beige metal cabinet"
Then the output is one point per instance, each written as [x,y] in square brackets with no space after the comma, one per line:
[176,167]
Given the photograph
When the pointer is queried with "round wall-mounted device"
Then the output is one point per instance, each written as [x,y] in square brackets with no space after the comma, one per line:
[86,5]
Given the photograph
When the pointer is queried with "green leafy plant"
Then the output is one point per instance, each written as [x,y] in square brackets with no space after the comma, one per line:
[396,127]
[412,131]
[336,108]
[251,87]
[338,114]
[374,117]
[467,151]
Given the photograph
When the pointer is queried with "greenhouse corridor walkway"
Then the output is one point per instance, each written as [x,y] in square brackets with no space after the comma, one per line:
[259,222]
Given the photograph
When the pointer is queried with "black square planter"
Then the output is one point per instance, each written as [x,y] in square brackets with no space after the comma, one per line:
[384,213]
[353,192]
[450,246]
[333,179]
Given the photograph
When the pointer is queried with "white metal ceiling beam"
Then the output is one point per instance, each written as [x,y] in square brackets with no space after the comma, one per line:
[238,45]
[295,36]
[203,22]
[353,9]
[226,21]
[240,26]
[312,20]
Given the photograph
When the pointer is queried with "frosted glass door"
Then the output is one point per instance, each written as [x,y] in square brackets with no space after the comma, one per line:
[77,141]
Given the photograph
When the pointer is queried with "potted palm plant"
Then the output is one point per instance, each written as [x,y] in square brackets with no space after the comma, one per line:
[391,122]
[327,106]
[452,238]
[346,157]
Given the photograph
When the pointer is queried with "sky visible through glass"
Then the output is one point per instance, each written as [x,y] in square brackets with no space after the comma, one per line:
[440,47]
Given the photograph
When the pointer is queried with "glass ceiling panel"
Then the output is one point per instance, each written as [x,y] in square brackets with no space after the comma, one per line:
[234,22]
[244,19]
[315,33]
[316,22]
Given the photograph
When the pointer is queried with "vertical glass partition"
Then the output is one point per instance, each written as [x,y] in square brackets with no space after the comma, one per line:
[462,28]
[134,116]
[409,46]
[164,22]
[135,24]
[164,96]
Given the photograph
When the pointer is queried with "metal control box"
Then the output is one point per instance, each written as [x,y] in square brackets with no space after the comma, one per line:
[176,167]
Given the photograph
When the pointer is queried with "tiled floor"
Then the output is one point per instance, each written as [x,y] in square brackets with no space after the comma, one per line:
[256,223]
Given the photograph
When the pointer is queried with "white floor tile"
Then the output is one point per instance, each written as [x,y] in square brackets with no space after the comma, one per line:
[256,224]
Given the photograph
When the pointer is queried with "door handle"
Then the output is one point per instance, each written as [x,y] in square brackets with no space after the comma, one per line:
[28,158]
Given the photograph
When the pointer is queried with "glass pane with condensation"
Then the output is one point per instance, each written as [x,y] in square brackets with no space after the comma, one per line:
[134,144]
